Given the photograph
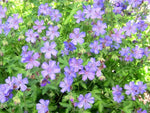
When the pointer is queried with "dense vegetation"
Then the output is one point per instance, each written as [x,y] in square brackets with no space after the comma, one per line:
[73,56]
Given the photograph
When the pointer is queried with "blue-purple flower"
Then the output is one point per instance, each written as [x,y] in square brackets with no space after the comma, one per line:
[24,50]
[95,47]
[44,82]
[85,101]
[76,64]
[6,28]
[141,111]
[20,83]
[97,13]
[5,94]
[131,89]
[77,36]
[13,22]
[43,9]
[125,51]
[50,69]
[42,107]
[31,36]
[141,87]
[130,28]
[66,85]
[69,72]
[79,16]
[118,97]
[88,11]
[138,52]
[52,32]
[39,26]
[49,50]
[55,16]
[30,59]
[99,28]
[2,12]
[69,46]
[88,73]
[93,64]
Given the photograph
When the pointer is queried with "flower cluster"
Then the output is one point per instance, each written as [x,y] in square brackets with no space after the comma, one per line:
[132,89]
[136,53]
[94,12]
[16,83]
[11,22]
[117,94]
[46,10]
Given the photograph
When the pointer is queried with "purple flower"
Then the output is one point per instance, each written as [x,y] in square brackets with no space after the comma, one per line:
[85,101]
[66,85]
[125,51]
[128,57]
[99,28]
[56,15]
[98,73]
[131,89]
[52,33]
[31,36]
[69,72]
[98,3]
[42,107]
[6,28]
[2,12]
[107,41]
[1,26]
[50,11]
[87,73]
[140,111]
[43,9]
[139,36]
[141,87]
[138,52]
[44,82]
[50,69]
[117,10]
[65,52]
[5,94]
[97,13]
[77,36]
[117,36]
[10,82]
[13,22]
[116,89]
[69,46]
[39,26]
[76,64]
[20,83]
[146,52]
[130,28]
[49,50]
[118,97]
[93,64]
[24,50]
[95,47]
[31,60]
[141,25]
[88,11]
[79,16]
[44,38]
